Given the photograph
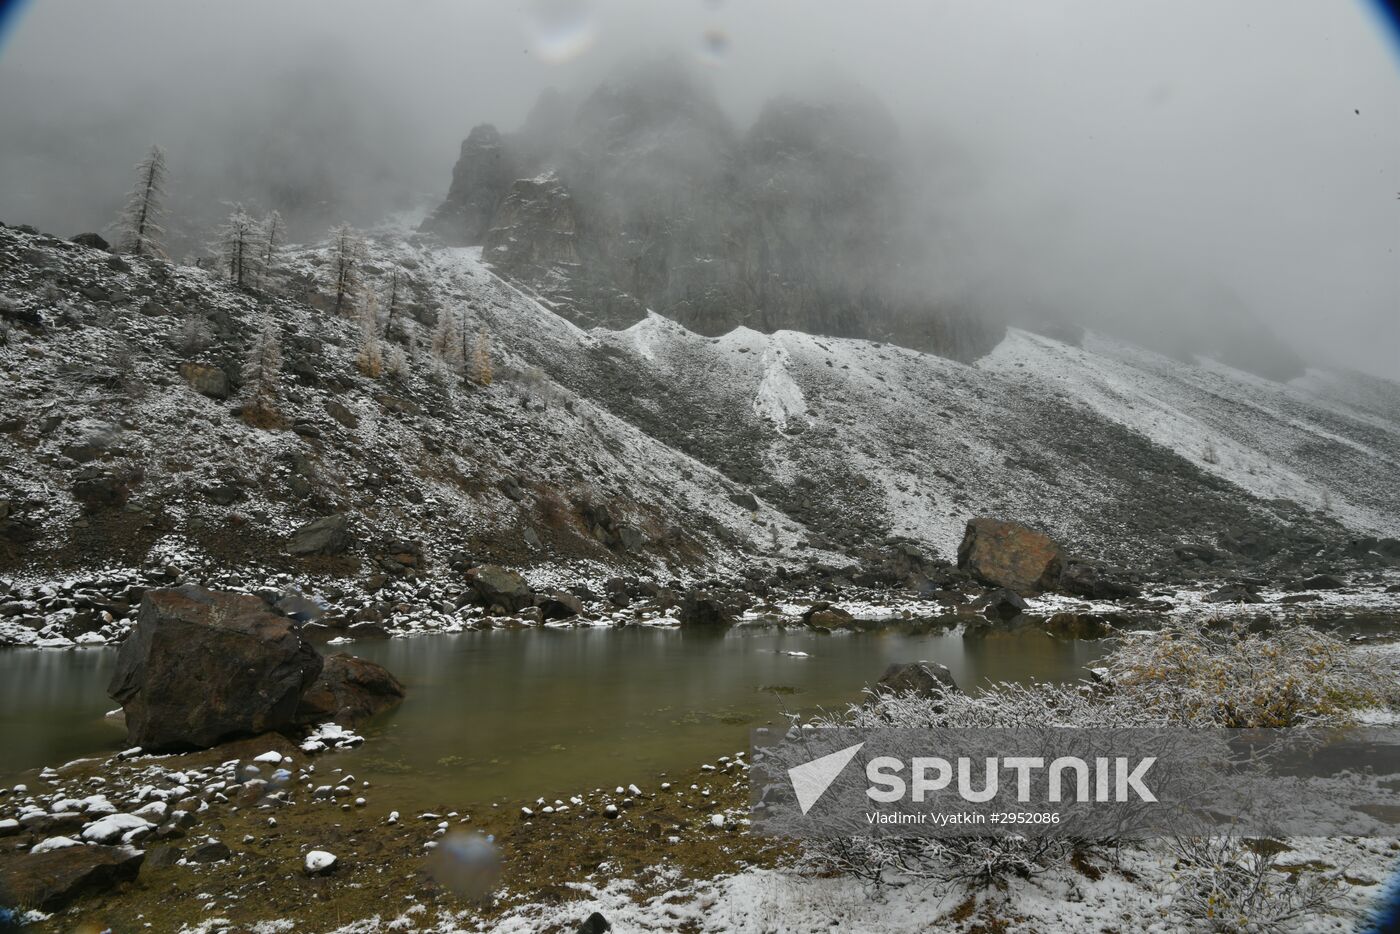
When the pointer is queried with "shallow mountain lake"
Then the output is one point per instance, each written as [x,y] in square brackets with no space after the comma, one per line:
[520,713]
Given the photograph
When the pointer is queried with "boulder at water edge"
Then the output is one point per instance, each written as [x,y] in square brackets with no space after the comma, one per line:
[348,691]
[201,667]
[926,679]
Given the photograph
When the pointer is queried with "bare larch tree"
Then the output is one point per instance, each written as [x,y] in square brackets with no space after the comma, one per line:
[139,231]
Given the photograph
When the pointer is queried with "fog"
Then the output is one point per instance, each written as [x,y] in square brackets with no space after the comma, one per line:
[1101,161]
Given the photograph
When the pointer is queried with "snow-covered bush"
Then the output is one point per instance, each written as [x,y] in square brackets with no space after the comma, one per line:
[1295,676]
[1185,675]
[1222,883]
[983,860]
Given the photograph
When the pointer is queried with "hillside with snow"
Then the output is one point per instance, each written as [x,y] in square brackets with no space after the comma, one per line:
[1119,451]
[650,448]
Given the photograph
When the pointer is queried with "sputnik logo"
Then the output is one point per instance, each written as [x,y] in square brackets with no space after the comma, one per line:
[811,779]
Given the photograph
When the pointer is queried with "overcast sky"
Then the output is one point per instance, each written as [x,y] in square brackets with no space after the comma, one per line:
[1101,153]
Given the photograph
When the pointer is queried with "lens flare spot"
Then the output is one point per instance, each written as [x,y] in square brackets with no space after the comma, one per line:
[714,46]
[466,864]
[561,30]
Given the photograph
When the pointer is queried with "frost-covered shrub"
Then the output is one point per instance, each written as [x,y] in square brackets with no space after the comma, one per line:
[1293,677]
[1221,883]
[1185,675]
[983,860]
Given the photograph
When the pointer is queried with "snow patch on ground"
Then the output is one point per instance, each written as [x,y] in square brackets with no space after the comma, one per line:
[779,399]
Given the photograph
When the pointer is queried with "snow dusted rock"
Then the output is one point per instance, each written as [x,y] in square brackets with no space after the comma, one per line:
[155,811]
[52,879]
[330,736]
[497,587]
[112,827]
[272,757]
[1006,554]
[717,821]
[54,843]
[328,535]
[97,805]
[202,666]
[9,827]
[319,862]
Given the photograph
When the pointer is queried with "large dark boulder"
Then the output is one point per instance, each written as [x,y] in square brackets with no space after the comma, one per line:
[1085,579]
[202,666]
[92,241]
[1316,582]
[207,380]
[55,879]
[328,535]
[349,691]
[926,679]
[558,605]
[702,609]
[1001,604]
[823,615]
[1005,554]
[497,587]
[1234,593]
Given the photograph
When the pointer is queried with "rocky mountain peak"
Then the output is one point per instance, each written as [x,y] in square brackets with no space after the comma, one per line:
[657,202]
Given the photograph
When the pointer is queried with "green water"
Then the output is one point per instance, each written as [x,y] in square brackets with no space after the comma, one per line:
[515,714]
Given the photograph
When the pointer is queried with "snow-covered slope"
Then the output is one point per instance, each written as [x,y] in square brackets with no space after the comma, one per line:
[1121,452]
[641,447]
[522,471]
[1327,440]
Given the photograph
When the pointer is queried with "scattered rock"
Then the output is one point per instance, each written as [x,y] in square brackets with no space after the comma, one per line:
[206,380]
[320,862]
[744,501]
[1084,579]
[595,924]
[1316,582]
[113,827]
[1233,593]
[328,535]
[1005,554]
[1001,604]
[92,241]
[210,851]
[700,609]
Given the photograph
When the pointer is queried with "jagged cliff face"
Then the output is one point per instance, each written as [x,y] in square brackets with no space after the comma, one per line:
[645,196]
[485,168]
